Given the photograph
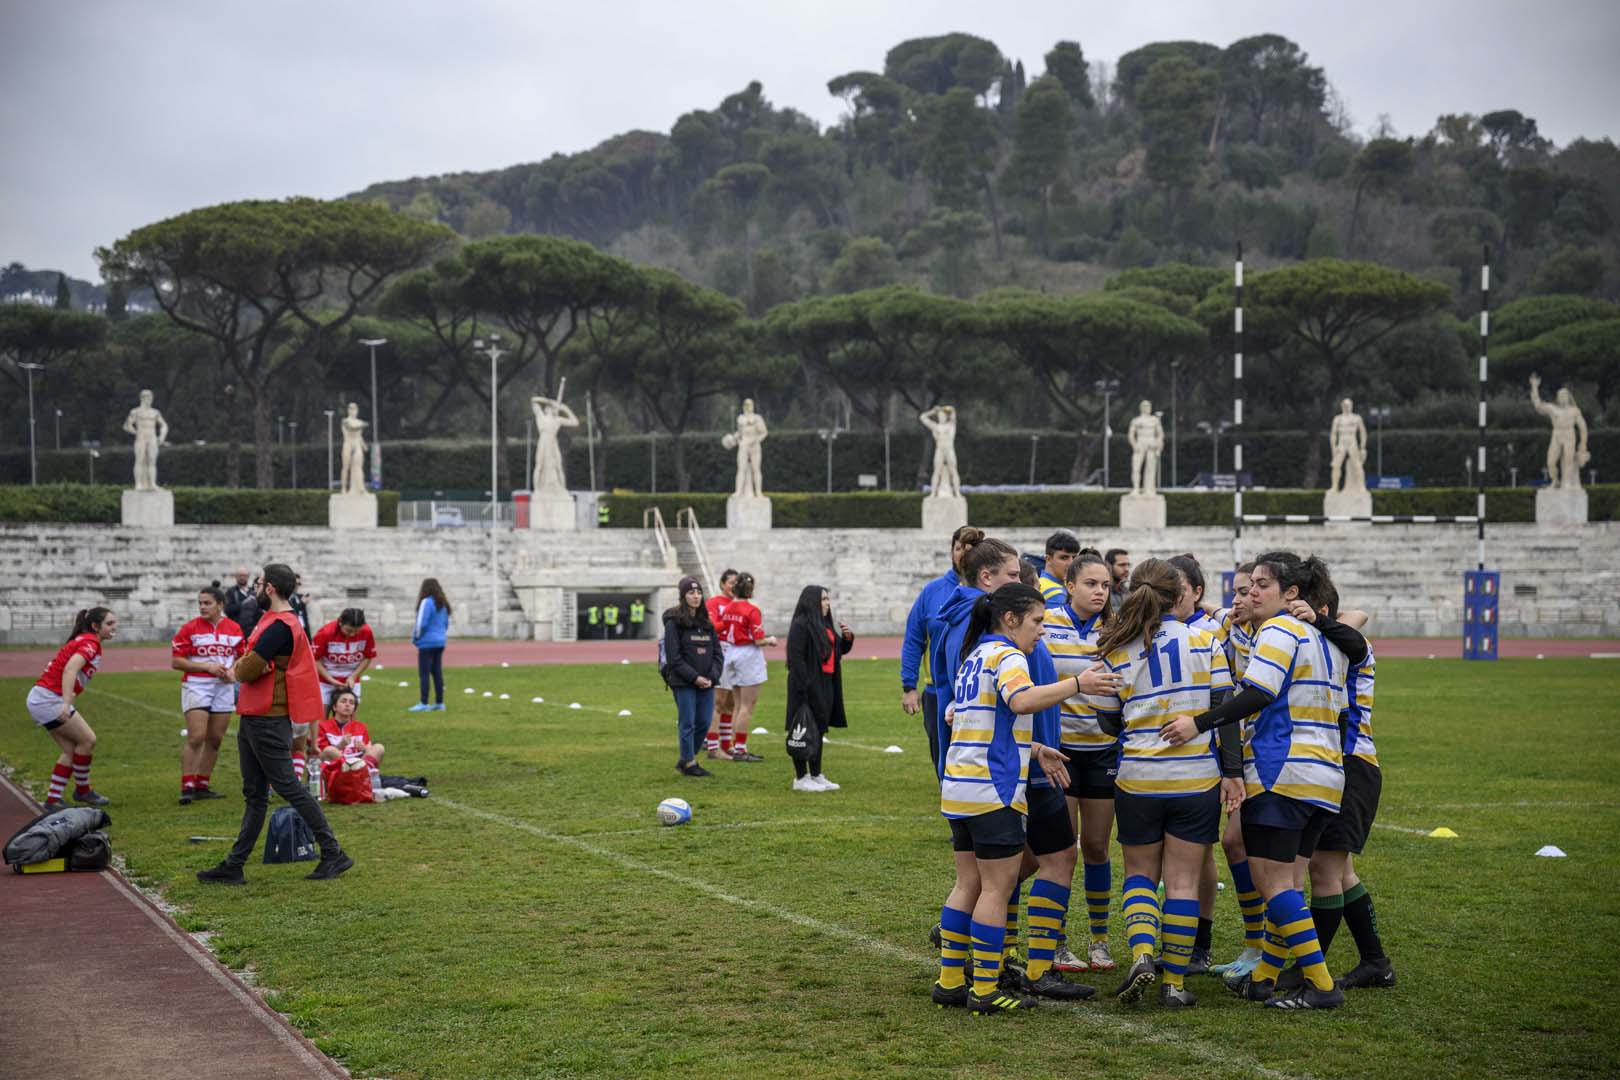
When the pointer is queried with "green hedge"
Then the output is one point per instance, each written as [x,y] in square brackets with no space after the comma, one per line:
[102,505]
[1084,510]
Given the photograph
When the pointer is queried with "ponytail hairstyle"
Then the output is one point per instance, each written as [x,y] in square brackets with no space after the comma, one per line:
[213,589]
[331,710]
[744,589]
[1290,570]
[1150,594]
[989,609]
[353,616]
[969,538]
[1323,593]
[982,556]
[1188,567]
[87,620]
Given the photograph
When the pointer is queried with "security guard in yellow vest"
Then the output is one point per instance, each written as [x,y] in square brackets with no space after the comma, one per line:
[638,616]
[593,617]
[610,616]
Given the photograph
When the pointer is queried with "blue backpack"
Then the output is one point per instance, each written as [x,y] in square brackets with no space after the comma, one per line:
[289,839]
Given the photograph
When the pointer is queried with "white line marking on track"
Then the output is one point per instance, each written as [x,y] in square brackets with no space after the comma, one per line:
[791,822]
[1137,1030]
[855,745]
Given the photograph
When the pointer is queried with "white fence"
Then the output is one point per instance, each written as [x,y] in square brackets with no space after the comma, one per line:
[433,514]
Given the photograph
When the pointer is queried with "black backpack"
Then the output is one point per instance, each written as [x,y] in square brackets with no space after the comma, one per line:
[289,839]
[803,735]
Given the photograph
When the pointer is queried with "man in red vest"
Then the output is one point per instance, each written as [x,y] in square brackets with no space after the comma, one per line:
[279,688]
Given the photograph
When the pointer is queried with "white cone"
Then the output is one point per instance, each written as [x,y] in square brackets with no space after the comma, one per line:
[506,697]
[893,750]
[1552,852]
[505,664]
[624,712]
[624,661]
[404,684]
[759,731]
[365,678]
[469,690]
[489,693]
[575,705]
[537,701]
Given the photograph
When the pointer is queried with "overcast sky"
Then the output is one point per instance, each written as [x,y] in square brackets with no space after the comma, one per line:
[116,113]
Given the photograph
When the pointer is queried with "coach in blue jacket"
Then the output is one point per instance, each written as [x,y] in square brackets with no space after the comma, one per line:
[915,644]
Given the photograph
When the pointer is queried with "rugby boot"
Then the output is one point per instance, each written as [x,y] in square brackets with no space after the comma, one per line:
[1054,986]
[1369,974]
[1307,997]
[1137,980]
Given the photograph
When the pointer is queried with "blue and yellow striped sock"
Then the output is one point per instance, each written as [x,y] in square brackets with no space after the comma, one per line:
[1293,921]
[1099,881]
[1141,911]
[1250,903]
[955,928]
[1047,902]
[1273,955]
[1010,947]
[987,945]
[1179,930]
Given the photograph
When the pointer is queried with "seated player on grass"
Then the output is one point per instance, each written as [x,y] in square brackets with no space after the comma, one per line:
[349,759]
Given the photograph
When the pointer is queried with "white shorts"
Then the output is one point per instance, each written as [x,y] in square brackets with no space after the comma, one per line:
[44,705]
[214,695]
[328,690]
[300,731]
[744,666]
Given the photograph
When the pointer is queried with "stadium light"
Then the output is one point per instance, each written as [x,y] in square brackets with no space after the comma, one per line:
[494,351]
[59,429]
[1107,388]
[1380,413]
[329,414]
[376,413]
[33,463]
[1215,431]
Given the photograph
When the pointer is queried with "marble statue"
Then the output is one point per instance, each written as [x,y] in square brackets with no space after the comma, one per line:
[550,417]
[1146,436]
[941,423]
[353,477]
[745,440]
[1348,438]
[151,431]
[1566,453]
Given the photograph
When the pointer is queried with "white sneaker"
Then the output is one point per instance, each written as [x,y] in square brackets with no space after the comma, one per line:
[1099,957]
[826,784]
[806,783]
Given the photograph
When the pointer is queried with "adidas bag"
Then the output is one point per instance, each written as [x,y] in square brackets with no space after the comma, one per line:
[289,839]
[803,737]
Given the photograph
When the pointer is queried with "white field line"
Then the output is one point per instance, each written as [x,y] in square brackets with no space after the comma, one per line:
[1138,1030]
[1526,804]
[175,712]
[775,823]
[856,745]
[1401,828]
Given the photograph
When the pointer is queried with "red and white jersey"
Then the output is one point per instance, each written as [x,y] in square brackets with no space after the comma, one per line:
[351,739]
[208,643]
[717,606]
[741,623]
[87,645]
[341,655]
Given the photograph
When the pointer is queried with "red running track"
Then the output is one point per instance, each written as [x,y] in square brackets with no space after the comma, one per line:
[485,653]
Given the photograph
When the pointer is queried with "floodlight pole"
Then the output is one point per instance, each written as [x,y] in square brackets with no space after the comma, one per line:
[1107,388]
[33,461]
[495,352]
[329,414]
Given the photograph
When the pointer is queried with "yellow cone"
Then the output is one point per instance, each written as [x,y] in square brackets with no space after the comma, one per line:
[1443,833]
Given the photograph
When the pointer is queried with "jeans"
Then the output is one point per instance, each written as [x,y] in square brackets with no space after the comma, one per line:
[264,747]
[431,662]
[693,708]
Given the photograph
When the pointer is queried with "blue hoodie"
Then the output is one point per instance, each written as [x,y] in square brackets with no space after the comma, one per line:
[915,643]
[432,625]
[1048,723]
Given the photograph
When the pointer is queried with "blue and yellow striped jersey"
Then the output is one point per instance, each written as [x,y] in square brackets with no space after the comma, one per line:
[1293,749]
[1358,734]
[1203,620]
[1052,591]
[1239,640]
[1171,675]
[987,761]
[1073,645]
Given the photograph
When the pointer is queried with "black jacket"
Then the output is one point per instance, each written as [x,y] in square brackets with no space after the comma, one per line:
[241,608]
[808,684]
[690,651]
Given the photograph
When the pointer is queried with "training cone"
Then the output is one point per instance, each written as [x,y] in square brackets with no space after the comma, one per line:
[575,705]
[469,690]
[506,697]
[1443,833]
[537,700]
[624,661]
[404,684]
[759,731]
[1552,851]
[893,750]
[505,664]
[365,678]
[489,693]
[624,712]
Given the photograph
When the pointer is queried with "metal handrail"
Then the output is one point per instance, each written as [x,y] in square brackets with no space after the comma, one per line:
[689,516]
[653,518]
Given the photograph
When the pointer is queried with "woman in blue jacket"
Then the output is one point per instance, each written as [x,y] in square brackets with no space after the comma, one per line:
[428,635]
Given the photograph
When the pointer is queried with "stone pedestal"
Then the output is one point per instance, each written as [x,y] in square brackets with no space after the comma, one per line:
[1347,503]
[353,511]
[1554,506]
[155,509]
[748,513]
[554,513]
[943,514]
[1141,512]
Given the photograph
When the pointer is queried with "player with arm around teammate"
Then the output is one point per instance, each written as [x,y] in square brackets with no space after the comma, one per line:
[51,704]
[204,651]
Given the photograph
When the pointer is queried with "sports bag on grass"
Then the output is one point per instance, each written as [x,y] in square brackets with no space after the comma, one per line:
[52,833]
[289,839]
[803,736]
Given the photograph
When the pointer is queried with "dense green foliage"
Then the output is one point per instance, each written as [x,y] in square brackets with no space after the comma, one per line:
[481,925]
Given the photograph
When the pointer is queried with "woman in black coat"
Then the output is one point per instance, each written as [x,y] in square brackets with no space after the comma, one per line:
[692,664]
[815,649]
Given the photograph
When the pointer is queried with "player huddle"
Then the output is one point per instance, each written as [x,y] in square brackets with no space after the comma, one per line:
[1055,715]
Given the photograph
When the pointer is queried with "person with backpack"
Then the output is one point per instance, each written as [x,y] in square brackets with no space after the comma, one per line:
[815,648]
[690,662]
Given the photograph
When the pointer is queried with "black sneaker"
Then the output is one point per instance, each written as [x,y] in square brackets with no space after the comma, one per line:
[1012,974]
[1307,997]
[1176,997]
[744,755]
[51,806]
[998,1001]
[1290,979]
[205,793]
[1249,988]
[1055,986]
[950,999]
[223,874]
[695,769]
[329,868]
[936,938]
[91,798]
[1198,964]
[1369,975]
[1137,979]
[186,797]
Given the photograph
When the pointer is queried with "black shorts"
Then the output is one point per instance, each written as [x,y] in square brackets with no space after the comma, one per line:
[1049,827]
[1092,772]
[1145,819]
[930,720]
[998,834]
[1347,830]
[1281,829]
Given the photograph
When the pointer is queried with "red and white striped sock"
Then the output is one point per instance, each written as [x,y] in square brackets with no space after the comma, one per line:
[725,733]
[739,740]
[298,767]
[59,778]
[188,782]
[81,773]
[202,781]
[711,742]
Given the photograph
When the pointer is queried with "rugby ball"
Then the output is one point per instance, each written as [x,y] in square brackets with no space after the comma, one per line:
[674,812]
[729,441]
